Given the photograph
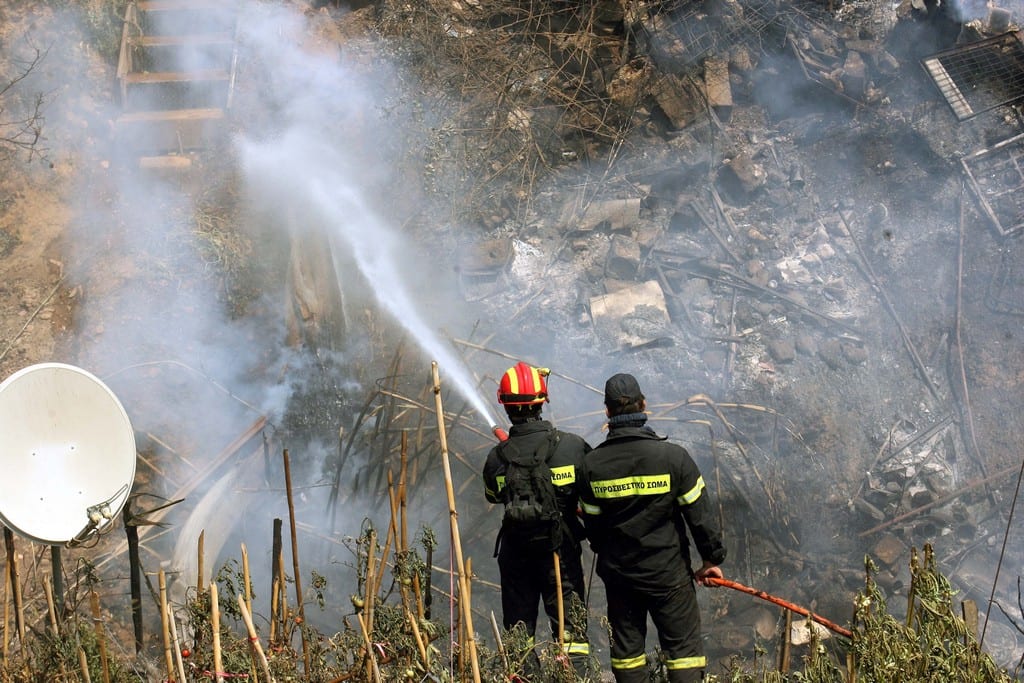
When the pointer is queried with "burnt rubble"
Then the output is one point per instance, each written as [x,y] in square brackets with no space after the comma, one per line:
[797,218]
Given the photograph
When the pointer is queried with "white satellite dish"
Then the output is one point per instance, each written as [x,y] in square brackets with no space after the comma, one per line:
[67,454]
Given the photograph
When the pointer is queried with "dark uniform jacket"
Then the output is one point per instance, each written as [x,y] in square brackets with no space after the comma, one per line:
[639,494]
[564,463]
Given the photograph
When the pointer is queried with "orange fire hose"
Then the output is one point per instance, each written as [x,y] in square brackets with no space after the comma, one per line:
[780,602]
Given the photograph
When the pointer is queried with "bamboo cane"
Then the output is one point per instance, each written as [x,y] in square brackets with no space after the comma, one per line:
[83,664]
[15,584]
[200,561]
[415,628]
[273,613]
[561,603]
[500,645]
[177,647]
[784,649]
[218,665]
[254,640]
[245,579]
[392,528]
[369,649]
[295,562]
[453,514]
[4,651]
[367,615]
[54,628]
[165,626]
[284,614]
[101,640]
[275,578]
[402,471]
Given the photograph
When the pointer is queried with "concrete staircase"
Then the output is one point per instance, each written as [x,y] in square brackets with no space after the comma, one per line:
[176,72]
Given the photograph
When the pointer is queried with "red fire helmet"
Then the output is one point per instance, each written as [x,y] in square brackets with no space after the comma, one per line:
[523,385]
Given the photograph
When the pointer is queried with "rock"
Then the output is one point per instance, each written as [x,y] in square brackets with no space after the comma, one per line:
[782,350]
[890,550]
[854,353]
[744,173]
[806,344]
[832,353]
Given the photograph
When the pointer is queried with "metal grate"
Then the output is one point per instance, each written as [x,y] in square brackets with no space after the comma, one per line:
[682,32]
[996,176]
[979,76]
[1006,289]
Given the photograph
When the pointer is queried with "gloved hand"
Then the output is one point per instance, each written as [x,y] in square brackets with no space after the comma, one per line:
[707,571]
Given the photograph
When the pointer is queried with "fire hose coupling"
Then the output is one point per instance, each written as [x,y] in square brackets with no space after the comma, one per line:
[499,433]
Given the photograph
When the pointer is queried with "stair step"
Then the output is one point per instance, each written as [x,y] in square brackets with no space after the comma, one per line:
[176,76]
[171,130]
[203,39]
[176,5]
[207,114]
[165,162]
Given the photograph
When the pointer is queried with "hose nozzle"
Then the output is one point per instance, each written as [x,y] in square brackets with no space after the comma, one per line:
[500,433]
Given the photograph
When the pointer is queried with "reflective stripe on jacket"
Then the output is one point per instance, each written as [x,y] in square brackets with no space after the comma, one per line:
[639,495]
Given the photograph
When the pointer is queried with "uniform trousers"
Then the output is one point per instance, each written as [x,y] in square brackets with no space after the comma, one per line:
[676,617]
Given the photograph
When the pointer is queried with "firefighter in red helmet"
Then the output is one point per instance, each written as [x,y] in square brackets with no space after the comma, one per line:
[533,475]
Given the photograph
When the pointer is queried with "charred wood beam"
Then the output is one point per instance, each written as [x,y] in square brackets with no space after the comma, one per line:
[949,497]
[726,276]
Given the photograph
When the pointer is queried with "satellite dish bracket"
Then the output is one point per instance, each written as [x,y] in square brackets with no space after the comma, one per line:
[97,513]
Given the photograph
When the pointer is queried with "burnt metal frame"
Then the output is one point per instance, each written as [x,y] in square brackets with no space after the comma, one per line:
[987,171]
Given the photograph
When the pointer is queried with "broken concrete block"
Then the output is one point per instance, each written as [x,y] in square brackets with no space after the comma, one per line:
[623,257]
[854,75]
[890,550]
[676,100]
[632,317]
[629,83]
[717,87]
[743,171]
[616,214]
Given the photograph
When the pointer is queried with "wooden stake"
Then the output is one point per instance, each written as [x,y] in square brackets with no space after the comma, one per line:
[404,460]
[200,561]
[4,651]
[15,584]
[284,614]
[500,645]
[561,603]
[246,593]
[101,640]
[295,562]
[165,626]
[57,571]
[177,647]
[784,651]
[273,613]
[83,664]
[54,628]
[218,665]
[464,604]
[369,649]
[275,578]
[254,640]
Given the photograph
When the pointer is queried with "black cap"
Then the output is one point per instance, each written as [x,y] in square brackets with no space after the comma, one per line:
[621,390]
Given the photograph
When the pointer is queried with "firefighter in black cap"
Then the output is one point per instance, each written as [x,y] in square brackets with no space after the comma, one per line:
[533,474]
[640,494]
